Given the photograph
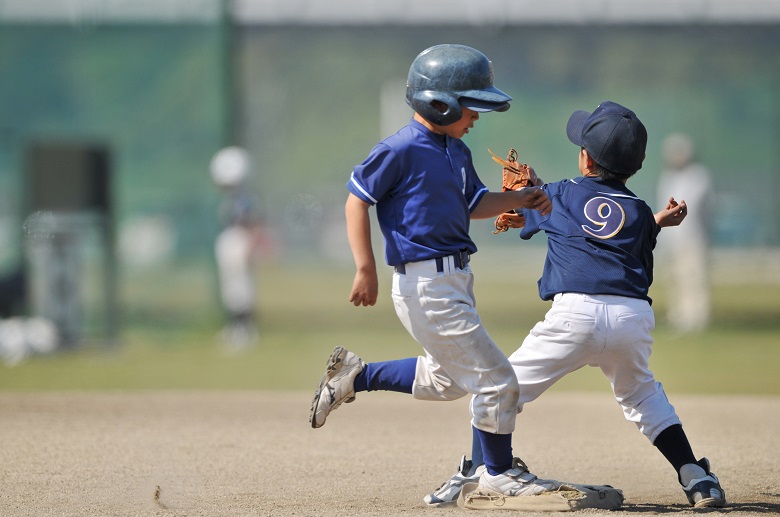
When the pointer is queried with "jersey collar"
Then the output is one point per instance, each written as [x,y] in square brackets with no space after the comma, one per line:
[440,140]
[600,185]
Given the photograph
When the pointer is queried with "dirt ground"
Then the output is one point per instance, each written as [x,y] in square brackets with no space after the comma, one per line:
[253,453]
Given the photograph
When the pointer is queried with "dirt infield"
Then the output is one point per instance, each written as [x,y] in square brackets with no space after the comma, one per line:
[242,453]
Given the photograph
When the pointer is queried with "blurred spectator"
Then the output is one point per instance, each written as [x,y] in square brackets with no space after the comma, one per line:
[235,247]
[685,250]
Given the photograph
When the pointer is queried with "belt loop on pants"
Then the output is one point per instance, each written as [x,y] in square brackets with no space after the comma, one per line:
[459,260]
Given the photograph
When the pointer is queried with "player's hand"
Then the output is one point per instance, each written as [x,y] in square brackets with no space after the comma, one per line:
[536,199]
[365,289]
[673,214]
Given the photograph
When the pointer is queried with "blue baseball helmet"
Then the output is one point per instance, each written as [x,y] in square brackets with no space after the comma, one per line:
[455,75]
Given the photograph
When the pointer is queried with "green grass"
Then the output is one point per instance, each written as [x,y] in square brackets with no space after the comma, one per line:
[169,337]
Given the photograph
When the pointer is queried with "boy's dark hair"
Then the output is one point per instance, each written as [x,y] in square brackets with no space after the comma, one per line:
[607,174]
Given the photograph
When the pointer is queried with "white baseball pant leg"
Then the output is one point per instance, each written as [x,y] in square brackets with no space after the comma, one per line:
[438,310]
[233,249]
[611,332]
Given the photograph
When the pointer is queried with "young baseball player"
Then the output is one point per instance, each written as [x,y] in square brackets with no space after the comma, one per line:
[598,270]
[235,247]
[423,183]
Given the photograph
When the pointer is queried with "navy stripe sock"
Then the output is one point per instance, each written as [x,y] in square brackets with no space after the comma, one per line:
[497,451]
[395,375]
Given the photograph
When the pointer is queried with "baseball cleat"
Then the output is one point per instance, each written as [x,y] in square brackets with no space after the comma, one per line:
[447,493]
[705,492]
[337,385]
[517,481]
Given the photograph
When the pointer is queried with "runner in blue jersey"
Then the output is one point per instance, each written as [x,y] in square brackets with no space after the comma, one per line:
[425,189]
[598,270]
[428,188]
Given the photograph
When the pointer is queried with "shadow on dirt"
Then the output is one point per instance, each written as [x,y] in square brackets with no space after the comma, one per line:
[757,507]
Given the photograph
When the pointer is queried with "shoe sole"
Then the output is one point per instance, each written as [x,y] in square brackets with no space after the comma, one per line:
[335,358]
[710,502]
[442,504]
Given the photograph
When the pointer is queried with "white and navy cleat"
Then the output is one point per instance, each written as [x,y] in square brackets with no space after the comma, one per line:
[448,492]
[705,492]
[337,385]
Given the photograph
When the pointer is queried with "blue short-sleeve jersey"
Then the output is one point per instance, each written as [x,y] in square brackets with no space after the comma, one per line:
[424,187]
[600,239]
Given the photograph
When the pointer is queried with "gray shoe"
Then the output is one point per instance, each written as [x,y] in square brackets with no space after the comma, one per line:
[337,385]
[517,481]
[447,494]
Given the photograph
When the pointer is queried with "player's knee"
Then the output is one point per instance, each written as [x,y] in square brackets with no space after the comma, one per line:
[510,389]
[641,394]
[437,388]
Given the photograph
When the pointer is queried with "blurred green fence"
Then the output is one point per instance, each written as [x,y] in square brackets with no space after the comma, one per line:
[307,103]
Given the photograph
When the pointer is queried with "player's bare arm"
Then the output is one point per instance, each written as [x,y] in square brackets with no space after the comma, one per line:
[494,203]
[365,287]
[673,214]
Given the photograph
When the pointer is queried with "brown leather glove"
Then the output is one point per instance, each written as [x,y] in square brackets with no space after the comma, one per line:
[514,176]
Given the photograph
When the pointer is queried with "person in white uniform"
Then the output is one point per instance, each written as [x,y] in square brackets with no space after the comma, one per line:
[686,251]
[235,247]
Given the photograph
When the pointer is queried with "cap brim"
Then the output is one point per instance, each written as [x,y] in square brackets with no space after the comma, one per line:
[575,125]
[483,106]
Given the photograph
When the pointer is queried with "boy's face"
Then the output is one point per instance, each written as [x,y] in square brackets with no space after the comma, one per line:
[461,127]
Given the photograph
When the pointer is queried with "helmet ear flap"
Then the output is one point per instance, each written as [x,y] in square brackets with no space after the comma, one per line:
[423,103]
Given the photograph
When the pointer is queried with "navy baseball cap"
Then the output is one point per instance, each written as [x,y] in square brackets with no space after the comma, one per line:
[613,136]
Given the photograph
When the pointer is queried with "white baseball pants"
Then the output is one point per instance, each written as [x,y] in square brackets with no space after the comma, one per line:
[438,310]
[233,251]
[610,332]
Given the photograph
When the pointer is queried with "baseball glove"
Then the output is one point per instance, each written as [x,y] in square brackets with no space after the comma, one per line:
[514,176]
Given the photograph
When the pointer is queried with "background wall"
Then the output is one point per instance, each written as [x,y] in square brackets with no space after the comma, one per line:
[308,105]
[309,99]
[316,98]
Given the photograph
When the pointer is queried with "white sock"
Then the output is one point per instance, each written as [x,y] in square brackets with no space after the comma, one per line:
[689,472]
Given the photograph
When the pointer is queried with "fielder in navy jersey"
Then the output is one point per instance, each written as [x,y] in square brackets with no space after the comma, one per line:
[425,189]
[598,271]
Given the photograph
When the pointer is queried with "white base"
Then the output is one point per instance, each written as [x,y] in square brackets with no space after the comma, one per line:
[568,497]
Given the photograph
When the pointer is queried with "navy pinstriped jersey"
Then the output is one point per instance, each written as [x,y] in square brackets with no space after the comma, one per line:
[600,239]
[424,187]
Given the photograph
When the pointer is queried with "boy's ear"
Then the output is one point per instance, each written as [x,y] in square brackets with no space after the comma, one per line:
[439,106]
[588,160]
